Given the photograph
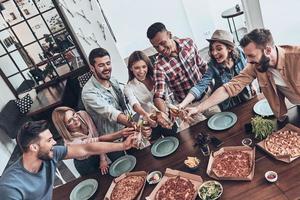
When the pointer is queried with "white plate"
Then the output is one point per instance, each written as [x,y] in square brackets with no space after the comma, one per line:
[84,190]
[263,108]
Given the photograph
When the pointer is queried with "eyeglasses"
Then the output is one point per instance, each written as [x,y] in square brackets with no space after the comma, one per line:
[71,120]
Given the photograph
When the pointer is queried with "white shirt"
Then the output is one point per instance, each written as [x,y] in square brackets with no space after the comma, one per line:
[283,87]
[277,77]
[137,93]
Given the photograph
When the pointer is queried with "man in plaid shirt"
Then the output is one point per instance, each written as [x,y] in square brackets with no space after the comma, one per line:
[178,66]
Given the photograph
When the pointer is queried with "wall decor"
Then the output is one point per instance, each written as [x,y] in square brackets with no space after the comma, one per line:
[91,5]
[101,26]
[83,16]
[82,36]
[94,39]
[107,22]
[67,9]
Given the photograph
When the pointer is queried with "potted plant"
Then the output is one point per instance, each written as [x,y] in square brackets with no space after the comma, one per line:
[262,127]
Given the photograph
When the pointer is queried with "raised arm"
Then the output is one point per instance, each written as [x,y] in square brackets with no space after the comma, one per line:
[125,132]
[232,88]
[217,97]
[197,91]
[81,150]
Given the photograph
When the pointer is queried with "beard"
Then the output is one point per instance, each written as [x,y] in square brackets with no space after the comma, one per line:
[264,64]
[44,156]
[103,77]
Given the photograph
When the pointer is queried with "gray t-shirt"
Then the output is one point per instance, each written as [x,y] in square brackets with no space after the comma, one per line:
[18,183]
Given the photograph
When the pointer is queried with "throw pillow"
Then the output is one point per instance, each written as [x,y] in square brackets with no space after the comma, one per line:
[24,104]
[84,78]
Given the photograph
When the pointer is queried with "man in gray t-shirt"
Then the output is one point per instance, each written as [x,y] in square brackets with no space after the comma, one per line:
[32,176]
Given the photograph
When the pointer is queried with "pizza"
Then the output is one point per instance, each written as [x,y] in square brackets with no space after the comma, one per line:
[234,163]
[128,188]
[177,188]
[284,143]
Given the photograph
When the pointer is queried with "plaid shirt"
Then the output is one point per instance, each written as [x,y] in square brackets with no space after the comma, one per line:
[179,73]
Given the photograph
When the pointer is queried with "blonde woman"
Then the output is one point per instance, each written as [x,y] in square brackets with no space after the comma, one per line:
[78,128]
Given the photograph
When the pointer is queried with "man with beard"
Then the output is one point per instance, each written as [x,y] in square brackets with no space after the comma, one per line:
[275,67]
[32,175]
[103,98]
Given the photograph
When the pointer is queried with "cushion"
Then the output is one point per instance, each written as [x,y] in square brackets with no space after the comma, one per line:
[11,119]
[84,78]
[24,104]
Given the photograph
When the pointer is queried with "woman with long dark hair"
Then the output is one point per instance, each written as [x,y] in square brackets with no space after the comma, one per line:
[140,90]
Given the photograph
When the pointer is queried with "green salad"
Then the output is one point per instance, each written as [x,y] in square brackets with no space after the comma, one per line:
[210,190]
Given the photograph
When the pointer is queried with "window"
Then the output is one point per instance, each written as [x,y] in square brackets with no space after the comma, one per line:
[33,38]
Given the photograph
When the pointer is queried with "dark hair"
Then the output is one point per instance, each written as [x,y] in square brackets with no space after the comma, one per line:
[135,57]
[29,133]
[234,54]
[154,29]
[95,53]
[261,38]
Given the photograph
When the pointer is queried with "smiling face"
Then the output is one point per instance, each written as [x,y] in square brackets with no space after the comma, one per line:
[219,51]
[102,68]
[163,43]
[139,70]
[257,57]
[72,120]
[45,145]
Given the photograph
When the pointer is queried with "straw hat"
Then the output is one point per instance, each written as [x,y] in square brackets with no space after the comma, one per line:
[222,36]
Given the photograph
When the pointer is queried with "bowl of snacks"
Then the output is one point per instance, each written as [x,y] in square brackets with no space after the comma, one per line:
[192,163]
[154,177]
[210,190]
[271,176]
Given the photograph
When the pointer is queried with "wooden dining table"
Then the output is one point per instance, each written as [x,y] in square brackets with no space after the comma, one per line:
[286,187]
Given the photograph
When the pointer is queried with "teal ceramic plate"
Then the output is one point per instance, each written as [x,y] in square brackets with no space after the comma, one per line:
[263,108]
[122,165]
[222,121]
[84,190]
[164,146]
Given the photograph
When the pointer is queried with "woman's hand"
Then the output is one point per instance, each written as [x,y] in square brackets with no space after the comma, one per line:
[151,122]
[125,132]
[130,142]
[103,166]
[163,120]
[192,111]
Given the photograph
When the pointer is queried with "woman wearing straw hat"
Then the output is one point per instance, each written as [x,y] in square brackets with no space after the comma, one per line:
[226,61]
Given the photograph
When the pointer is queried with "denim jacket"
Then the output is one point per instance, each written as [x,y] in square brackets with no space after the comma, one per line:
[221,75]
[102,106]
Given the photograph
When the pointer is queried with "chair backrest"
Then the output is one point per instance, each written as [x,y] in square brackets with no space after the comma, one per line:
[37,74]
